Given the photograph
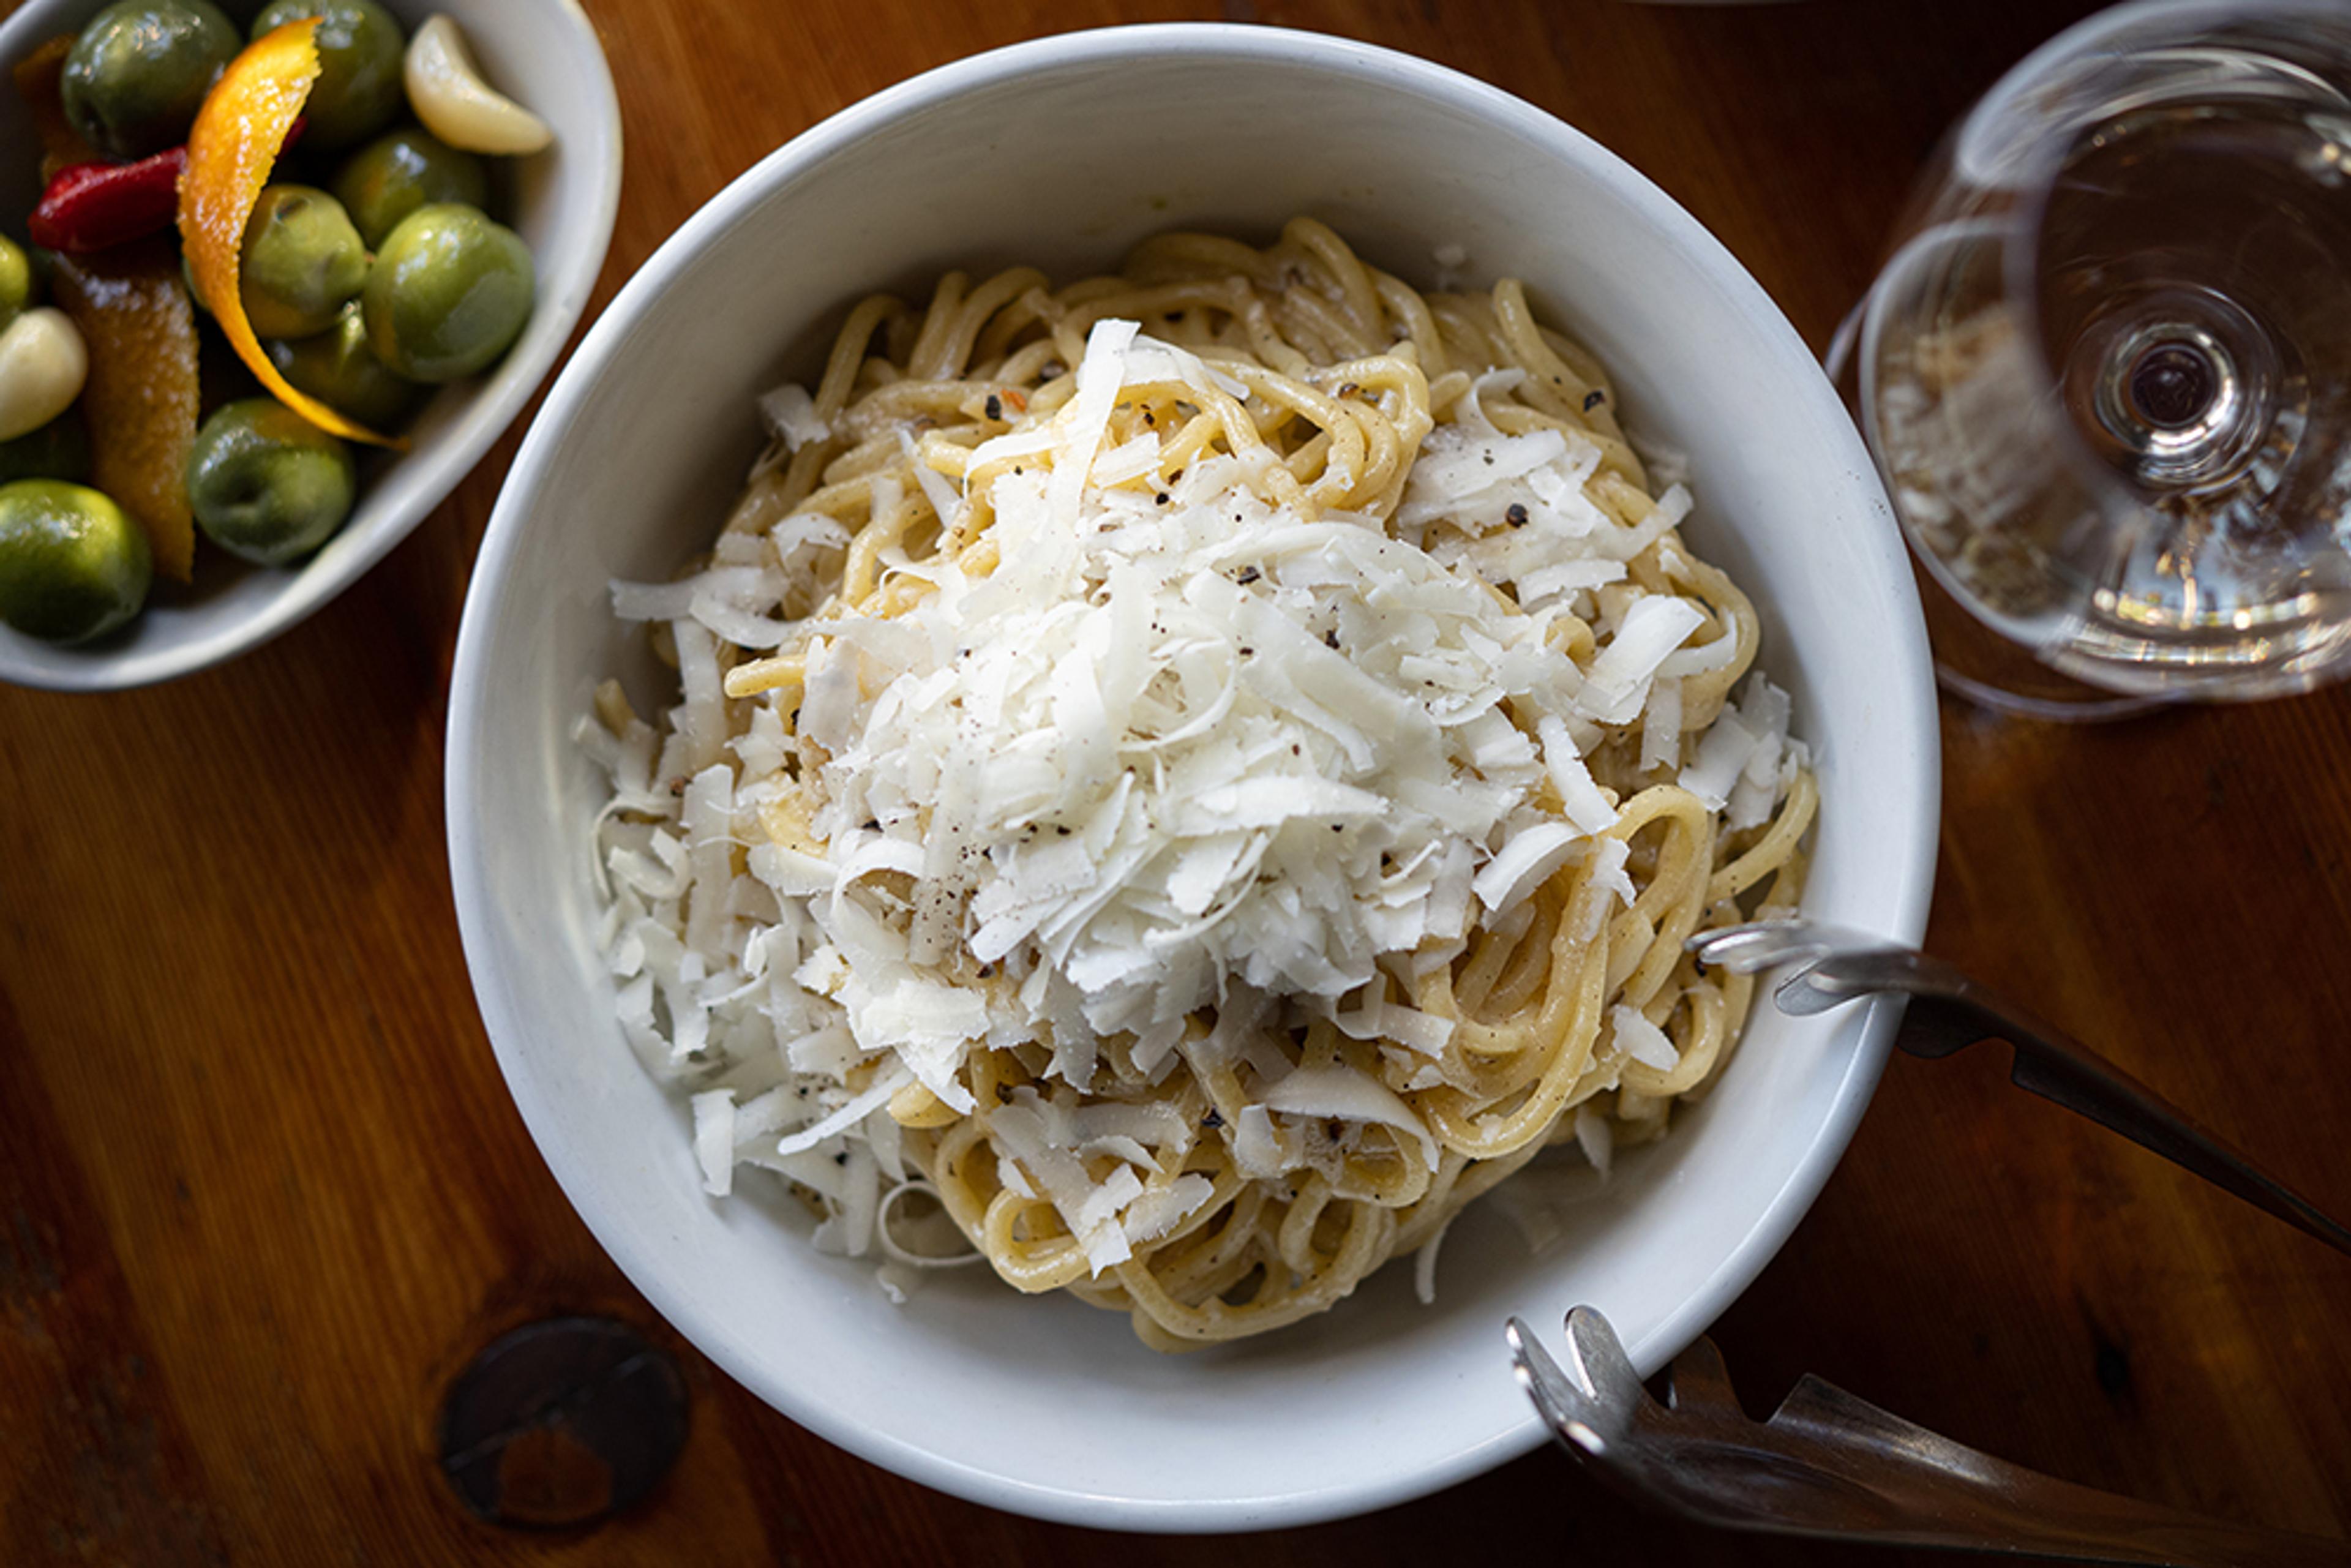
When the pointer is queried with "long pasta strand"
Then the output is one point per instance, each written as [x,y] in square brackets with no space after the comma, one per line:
[1345,370]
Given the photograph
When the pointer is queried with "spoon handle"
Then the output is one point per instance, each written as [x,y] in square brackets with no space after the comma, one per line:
[1949,1012]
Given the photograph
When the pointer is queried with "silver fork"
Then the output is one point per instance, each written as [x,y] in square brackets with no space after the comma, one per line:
[1829,1465]
[1948,1013]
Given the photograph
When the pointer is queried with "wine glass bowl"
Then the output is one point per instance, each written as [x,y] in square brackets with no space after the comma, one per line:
[2107,370]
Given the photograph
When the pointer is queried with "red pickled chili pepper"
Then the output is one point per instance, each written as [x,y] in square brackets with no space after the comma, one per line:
[96,206]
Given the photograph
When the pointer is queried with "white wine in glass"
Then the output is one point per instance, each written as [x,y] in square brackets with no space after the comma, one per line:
[2107,370]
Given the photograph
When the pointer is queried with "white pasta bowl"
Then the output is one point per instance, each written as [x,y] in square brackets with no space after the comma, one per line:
[542,53]
[1064,152]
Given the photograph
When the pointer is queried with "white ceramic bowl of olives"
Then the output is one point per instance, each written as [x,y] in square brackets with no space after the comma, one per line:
[364,153]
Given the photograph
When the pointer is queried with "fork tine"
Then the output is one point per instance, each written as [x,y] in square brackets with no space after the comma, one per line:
[1758,944]
[1597,1362]
[1799,996]
[1701,1382]
[1563,1404]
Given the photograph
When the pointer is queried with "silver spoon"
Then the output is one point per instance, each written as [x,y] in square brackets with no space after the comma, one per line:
[1829,1465]
[1948,1013]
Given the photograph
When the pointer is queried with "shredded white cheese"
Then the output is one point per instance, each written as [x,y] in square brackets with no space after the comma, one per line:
[1182,747]
[1641,1041]
[790,415]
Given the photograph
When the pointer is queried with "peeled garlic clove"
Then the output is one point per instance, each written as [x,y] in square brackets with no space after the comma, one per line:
[446,90]
[42,367]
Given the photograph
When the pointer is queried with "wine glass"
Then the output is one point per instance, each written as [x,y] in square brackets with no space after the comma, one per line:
[2106,370]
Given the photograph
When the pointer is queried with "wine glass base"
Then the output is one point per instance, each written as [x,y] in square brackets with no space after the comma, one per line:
[2091,706]
[1977,667]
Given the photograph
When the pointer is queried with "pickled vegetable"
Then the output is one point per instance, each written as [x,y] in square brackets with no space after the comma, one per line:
[231,150]
[360,46]
[449,292]
[73,566]
[138,72]
[141,399]
[267,486]
[300,261]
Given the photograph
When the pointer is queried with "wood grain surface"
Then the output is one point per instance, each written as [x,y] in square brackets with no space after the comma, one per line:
[262,1192]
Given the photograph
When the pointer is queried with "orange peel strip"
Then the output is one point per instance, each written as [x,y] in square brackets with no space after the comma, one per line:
[231,150]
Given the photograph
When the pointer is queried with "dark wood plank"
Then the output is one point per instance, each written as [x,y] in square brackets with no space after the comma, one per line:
[100,1466]
[262,1192]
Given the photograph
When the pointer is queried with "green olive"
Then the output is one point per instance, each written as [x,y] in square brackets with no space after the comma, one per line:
[302,260]
[137,73]
[73,565]
[16,281]
[58,450]
[358,87]
[449,292]
[266,484]
[394,175]
[339,369]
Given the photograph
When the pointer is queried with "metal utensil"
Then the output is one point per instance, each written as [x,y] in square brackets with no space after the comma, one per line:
[1829,1465]
[1948,1013]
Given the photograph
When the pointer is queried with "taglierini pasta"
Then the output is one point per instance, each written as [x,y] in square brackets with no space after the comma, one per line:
[1183,781]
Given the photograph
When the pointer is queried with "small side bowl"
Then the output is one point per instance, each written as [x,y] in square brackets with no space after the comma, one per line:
[544,54]
[1064,152]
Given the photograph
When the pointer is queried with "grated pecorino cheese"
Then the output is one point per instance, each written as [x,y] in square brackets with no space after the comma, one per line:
[1177,745]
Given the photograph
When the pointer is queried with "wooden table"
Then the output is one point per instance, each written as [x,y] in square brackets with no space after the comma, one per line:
[262,1192]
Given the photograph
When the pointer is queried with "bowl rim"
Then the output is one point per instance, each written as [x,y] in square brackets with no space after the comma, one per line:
[504,1015]
[482,425]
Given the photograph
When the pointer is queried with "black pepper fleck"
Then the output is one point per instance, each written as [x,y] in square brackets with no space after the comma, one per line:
[1516,516]
[995,406]
[1213,1120]
[1593,399]
[1249,574]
